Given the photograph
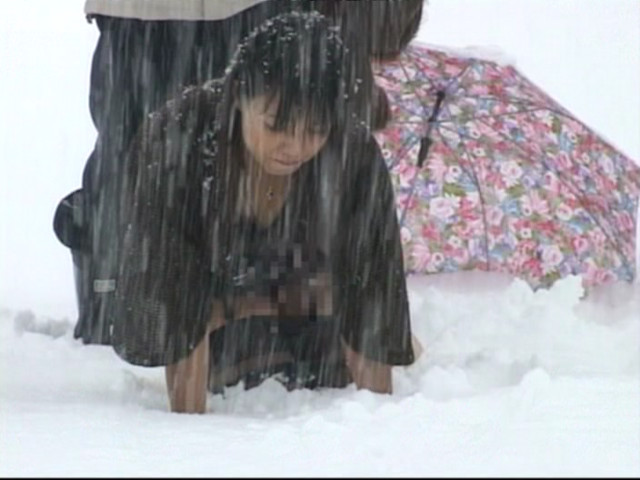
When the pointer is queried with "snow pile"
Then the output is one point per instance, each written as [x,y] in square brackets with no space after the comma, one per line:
[490,53]
[511,381]
[493,335]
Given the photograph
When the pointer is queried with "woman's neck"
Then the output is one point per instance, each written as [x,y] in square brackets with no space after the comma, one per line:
[262,194]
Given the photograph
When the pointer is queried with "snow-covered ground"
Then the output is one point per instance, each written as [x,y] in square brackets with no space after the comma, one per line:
[510,383]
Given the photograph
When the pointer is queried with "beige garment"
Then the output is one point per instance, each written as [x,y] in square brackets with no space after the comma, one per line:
[168,9]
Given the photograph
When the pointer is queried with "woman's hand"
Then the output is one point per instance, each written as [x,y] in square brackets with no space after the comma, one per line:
[367,374]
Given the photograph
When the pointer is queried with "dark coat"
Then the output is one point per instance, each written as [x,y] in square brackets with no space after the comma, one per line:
[181,240]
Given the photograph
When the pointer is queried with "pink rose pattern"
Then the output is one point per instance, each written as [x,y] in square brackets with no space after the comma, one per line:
[513,183]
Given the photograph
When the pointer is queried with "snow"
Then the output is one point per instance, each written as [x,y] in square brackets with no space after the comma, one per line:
[511,382]
[491,54]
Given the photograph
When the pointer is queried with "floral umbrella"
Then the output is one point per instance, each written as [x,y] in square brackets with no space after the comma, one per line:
[492,174]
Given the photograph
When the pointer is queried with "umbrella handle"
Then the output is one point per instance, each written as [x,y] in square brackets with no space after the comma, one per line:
[425,144]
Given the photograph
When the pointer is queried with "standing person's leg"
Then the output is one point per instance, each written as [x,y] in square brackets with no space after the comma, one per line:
[71,224]
[92,325]
[128,79]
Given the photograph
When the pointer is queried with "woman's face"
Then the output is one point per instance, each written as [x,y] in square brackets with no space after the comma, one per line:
[277,152]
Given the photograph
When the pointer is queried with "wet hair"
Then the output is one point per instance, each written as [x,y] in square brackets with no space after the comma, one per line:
[374,29]
[394,23]
[297,59]
[383,28]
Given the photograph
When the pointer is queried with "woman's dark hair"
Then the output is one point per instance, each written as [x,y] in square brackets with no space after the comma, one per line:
[394,23]
[374,29]
[297,59]
[383,27]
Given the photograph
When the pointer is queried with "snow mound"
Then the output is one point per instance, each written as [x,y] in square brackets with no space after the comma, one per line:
[490,53]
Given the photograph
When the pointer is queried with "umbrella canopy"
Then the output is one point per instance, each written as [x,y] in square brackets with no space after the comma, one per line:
[491,173]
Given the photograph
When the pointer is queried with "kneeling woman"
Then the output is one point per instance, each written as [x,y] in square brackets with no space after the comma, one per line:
[259,229]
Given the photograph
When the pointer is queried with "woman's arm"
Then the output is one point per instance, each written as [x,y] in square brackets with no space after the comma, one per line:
[374,302]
